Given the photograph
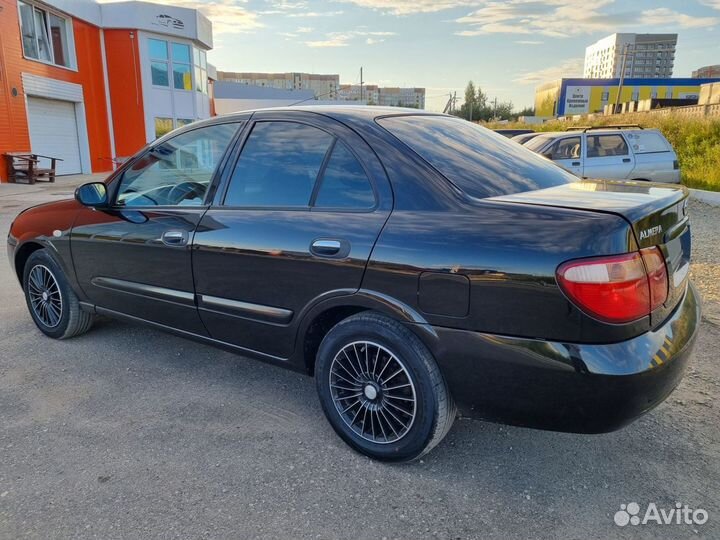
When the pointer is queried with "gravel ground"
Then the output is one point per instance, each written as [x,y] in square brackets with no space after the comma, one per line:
[705,269]
[127,432]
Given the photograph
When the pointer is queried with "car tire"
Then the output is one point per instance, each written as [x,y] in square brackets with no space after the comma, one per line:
[381,389]
[53,305]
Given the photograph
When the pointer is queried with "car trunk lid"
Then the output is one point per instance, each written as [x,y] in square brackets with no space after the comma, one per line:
[657,214]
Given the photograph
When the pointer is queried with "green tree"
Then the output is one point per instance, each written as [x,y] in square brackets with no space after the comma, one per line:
[527,111]
[475,106]
[503,111]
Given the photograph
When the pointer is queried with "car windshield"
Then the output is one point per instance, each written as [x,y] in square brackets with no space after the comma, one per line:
[476,160]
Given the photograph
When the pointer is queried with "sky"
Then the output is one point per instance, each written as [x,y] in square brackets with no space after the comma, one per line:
[507,48]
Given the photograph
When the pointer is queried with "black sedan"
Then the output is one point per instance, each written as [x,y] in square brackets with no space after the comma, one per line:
[409,261]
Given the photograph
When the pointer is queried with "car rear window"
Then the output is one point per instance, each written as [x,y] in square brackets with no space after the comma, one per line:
[647,142]
[476,160]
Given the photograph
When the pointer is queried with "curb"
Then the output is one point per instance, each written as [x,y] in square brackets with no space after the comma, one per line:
[708,197]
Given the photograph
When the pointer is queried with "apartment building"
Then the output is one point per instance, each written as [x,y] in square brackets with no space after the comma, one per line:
[387,96]
[324,86]
[402,97]
[707,72]
[645,56]
[353,92]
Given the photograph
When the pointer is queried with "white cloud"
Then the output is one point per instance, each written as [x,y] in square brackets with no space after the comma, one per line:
[304,29]
[555,18]
[715,4]
[667,17]
[409,7]
[572,67]
[315,14]
[529,42]
[342,39]
[563,18]
[338,41]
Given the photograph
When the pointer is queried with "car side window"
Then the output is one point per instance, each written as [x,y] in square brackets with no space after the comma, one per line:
[568,148]
[278,165]
[344,183]
[178,171]
[606,146]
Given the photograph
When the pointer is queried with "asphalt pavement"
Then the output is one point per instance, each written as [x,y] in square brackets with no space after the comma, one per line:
[127,432]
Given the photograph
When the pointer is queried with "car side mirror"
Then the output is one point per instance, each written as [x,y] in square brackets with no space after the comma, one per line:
[548,155]
[93,194]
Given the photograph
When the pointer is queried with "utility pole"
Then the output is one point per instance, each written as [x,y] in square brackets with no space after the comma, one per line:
[629,50]
[495,108]
[625,53]
[361,84]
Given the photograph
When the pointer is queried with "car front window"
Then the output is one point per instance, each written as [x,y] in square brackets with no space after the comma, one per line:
[177,171]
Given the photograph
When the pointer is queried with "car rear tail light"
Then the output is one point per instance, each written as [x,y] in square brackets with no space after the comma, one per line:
[676,165]
[657,276]
[617,288]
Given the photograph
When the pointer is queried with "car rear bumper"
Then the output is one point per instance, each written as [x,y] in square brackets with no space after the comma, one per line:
[562,386]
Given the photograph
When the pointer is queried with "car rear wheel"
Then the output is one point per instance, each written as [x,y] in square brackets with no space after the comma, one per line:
[51,301]
[381,389]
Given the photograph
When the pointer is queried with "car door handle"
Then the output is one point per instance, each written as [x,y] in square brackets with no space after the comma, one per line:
[626,160]
[575,163]
[175,238]
[328,247]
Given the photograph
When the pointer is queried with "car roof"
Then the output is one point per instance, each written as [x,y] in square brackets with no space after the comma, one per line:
[608,131]
[369,112]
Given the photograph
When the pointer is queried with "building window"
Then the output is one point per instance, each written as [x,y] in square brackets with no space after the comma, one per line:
[163,126]
[200,63]
[159,62]
[180,122]
[170,57]
[46,36]
[182,74]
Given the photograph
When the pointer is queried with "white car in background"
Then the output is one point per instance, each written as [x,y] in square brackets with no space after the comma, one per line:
[611,152]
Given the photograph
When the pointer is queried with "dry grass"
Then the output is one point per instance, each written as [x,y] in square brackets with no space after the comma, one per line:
[696,141]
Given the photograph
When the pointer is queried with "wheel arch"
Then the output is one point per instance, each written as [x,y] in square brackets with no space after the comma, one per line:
[22,254]
[317,321]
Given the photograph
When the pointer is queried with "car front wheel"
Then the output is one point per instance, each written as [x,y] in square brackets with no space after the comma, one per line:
[51,301]
[381,388]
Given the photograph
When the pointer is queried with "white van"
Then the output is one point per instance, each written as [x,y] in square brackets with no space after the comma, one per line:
[613,152]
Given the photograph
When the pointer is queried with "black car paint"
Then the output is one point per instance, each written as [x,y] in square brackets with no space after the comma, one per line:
[517,350]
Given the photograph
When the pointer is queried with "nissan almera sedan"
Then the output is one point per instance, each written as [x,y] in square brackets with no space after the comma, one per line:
[408,261]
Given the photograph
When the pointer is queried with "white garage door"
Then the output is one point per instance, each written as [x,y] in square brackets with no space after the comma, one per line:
[53,132]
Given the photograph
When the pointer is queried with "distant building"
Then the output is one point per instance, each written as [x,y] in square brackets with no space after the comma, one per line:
[230,97]
[649,56]
[566,97]
[709,94]
[324,86]
[353,92]
[707,72]
[386,96]
[402,97]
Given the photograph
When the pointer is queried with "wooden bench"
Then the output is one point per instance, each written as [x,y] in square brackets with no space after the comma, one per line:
[24,167]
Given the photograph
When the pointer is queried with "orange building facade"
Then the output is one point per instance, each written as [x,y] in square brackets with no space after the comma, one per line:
[92,83]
